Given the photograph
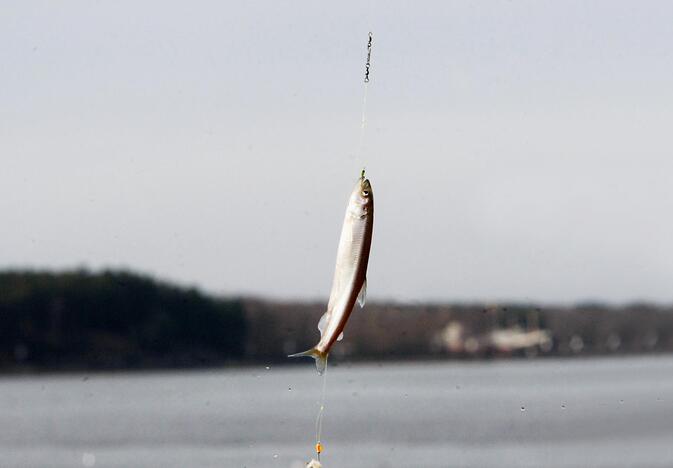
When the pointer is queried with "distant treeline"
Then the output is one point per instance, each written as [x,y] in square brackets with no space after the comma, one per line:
[118,319]
[113,320]
[421,331]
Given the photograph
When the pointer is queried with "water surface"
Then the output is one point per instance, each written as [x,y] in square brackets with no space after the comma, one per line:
[544,413]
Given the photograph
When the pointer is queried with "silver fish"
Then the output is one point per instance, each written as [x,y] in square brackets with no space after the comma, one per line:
[350,275]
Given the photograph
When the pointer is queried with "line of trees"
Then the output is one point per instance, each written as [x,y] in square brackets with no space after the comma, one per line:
[113,319]
[118,319]
[419,331]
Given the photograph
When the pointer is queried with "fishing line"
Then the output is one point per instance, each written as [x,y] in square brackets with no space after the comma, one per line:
[318,420]
[363,120]
[365,87]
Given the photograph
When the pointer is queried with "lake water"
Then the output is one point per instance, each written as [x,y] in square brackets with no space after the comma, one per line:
[542,413]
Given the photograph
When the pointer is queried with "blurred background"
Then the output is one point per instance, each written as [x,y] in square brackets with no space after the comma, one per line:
[172,190]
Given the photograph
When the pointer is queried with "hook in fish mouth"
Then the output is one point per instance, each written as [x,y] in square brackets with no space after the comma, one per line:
[365,186]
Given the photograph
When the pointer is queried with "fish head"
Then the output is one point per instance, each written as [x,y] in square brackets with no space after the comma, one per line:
[365,188]
[362,197]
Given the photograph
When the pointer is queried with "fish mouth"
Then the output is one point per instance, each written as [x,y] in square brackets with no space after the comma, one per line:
[365,187]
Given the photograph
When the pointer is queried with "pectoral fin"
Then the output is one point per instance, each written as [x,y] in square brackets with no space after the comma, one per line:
[362,296]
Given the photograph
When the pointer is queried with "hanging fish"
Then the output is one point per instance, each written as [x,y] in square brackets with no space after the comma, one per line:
[350,275]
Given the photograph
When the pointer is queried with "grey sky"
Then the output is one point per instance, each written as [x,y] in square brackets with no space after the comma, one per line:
[517,150]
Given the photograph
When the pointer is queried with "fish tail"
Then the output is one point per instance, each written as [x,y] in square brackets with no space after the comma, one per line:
[319,356]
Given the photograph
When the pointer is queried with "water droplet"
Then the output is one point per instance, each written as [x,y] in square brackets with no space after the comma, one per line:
[523,408]
[621,402]
[267,367]
[289,389]
[563,406]
[275,455]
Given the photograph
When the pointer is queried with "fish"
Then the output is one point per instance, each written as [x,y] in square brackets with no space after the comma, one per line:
[350,274]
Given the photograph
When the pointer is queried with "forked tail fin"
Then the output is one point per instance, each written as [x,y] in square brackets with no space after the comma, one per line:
[319,356]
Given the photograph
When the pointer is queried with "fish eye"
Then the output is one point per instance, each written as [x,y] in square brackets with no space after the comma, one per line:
[365,192]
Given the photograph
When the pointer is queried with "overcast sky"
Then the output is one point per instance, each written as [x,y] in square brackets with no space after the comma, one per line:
[517,150]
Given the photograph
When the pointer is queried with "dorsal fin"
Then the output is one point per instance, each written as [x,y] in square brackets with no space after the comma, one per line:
[362,296]
[322,324]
